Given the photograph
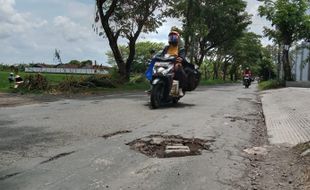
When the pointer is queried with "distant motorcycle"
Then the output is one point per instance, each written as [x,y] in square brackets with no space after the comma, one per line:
[247,81]
[164,88]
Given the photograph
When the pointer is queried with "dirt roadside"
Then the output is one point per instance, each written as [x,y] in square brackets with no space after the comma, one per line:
[273,167]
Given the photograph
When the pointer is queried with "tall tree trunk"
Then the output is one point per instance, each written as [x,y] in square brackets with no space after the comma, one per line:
[225,70]
[111,37]
[286,65]
[215,70]
[131,56]
[279,62]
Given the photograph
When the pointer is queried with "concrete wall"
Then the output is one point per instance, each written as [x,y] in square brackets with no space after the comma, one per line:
[302,68]
[64,70]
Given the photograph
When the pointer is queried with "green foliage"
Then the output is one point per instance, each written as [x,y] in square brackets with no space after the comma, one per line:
[87,62]
[137,78]
[290,23]
[35,82]
[128,19]
[210,24]
[266,68]
[71,84]
[142,55]
[101,81]
[74,62]
[4,82]
[115,75]
[270,84]
[289,18]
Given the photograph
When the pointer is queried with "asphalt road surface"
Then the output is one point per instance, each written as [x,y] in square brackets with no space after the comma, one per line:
[59,145]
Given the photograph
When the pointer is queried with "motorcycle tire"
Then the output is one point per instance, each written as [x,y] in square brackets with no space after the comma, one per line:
[157,95]
[175,100]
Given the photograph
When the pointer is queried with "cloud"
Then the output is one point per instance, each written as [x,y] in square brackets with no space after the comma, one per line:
[31,30]
[70,30]
[13,22]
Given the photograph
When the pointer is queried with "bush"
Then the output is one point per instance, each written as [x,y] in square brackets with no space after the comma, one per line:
[270,84]
[72,84]
[138,78]
[35,82]
[101,81]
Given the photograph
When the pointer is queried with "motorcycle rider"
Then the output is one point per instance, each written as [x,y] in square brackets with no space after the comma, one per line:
[176,49]
[247,72]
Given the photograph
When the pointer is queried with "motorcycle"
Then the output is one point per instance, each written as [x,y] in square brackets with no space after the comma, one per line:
[165,89]
[247,81]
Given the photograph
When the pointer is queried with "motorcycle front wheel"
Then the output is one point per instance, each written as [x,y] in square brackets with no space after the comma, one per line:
[157,95]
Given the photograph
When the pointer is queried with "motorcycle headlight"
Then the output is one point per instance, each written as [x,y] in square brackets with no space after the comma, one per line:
[160,67]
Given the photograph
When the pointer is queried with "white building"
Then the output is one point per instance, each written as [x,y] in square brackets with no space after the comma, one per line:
[301,68]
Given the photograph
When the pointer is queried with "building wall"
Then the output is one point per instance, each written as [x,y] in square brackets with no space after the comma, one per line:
[64,70]
[302,68]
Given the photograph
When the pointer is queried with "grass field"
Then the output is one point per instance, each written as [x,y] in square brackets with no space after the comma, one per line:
[4,82]
[54,79]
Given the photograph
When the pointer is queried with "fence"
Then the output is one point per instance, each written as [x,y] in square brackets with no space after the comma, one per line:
[64,70]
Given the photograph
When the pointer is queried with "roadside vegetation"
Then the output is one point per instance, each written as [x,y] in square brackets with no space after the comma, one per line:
[270,84]
[221,49]
[70,83]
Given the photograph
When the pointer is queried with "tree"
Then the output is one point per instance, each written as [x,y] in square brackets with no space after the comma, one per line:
[246,52]
[142,55]
[210,24]
[128,19]
[291,23]
[266,68]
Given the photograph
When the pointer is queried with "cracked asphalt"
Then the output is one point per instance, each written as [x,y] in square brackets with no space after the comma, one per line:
[59,144]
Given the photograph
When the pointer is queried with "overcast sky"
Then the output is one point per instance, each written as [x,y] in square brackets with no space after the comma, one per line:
[30,30]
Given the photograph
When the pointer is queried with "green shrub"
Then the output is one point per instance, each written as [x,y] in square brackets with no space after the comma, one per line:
[101,81]
[71,84]
[114,73]
[270,84]
[35,82]
[137,78]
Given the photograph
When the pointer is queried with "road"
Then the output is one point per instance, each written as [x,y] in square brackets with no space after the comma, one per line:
[59,145]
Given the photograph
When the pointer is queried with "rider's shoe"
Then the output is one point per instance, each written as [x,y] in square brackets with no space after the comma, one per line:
[181,92]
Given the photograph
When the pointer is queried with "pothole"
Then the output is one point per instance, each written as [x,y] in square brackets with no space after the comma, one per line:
[8,176]
[115,133]
[244,99]
[233,119]
[166,146]
[57,157]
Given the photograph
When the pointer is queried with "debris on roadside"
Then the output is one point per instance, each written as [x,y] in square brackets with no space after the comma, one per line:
[257,150]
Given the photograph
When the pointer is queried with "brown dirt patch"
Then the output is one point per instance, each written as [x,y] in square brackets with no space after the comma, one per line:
[16,99]
[156,146]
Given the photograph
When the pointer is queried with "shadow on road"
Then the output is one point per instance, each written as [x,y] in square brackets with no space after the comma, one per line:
[171,105]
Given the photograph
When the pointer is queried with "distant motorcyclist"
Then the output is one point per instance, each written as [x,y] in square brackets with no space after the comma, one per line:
[247,74]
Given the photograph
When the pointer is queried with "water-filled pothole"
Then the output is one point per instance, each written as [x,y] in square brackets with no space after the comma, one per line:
[162,146]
